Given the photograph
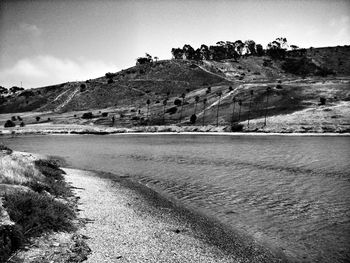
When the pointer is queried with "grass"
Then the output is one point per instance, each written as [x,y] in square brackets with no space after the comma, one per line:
[35,211]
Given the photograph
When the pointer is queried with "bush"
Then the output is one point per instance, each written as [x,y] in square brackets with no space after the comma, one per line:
[279,87]
[9,124]
[87,115]
[37,118]
[19,118]
[172,110]
[110,81]
[322,101]
[104,114]
[177,102]
[36,213]
[82,87]
[49,168]
[22,124]
[237,127]
[193,118]
[13,118]
[5,149]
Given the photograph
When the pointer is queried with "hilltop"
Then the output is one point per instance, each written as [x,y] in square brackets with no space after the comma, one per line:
[318,79]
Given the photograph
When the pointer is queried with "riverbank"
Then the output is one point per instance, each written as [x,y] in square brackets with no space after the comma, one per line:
[128,222]
[119,220]
[37,211]
[44,129]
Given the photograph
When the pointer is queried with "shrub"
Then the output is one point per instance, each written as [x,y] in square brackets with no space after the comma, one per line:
[5,149]
[37,118]
[87,115]
[110,81]
[49,168]
[22,124]
[82,87]
[9,124]
[322,101]
[104,114]
[13,118]
[237,127]
[177,102]
[19,118]
[36,213]
[279,87]
[172,110]
[193,118]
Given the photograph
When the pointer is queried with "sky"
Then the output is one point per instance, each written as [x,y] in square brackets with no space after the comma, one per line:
[47,42]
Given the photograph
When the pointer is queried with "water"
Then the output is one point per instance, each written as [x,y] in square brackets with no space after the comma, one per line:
[291,192]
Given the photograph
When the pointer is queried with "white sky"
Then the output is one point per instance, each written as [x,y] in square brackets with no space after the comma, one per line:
[48,42]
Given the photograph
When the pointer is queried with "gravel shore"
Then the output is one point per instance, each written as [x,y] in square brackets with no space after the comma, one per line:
[123,226]
[121,232]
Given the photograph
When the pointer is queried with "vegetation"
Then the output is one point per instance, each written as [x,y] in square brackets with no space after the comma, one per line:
[87,115]
[34,210]
[9,124]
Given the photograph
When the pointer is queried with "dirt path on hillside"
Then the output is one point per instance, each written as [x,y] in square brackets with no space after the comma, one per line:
[123,227]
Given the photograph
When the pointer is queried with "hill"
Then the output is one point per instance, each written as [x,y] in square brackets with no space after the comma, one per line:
[295,83]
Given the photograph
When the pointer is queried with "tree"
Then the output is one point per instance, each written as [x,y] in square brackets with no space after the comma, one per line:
[177,53]
[204,106]
[250,104]
[268,89]
[3,90]
[277,48]
[251,47]
[196,99]
[233,110]
[240,106]
[294,47]
[219,94]
[204,52]
[239,47]
[156,59]
[14,89]
[182,105]
[144,60]
[164,104]
[188,52]
[259,50]
[148,102]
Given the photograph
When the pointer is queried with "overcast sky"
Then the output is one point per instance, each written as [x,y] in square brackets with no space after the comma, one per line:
[49,42]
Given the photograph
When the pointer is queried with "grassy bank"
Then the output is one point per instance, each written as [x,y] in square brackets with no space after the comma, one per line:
[35,200]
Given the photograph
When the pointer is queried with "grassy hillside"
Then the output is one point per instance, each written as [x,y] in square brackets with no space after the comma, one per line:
[296,83]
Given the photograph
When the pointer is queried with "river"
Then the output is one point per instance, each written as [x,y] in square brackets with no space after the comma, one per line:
[292,192]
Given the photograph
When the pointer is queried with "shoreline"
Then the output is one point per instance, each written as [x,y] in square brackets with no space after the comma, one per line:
[125,132]
[208,229]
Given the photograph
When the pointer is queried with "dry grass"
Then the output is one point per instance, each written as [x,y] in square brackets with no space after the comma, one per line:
[18,168]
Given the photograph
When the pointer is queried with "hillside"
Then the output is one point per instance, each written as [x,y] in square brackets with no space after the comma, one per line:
[295,83]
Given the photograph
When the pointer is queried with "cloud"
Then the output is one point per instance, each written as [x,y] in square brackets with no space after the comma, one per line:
[30,29]
[341,30]
[47,70]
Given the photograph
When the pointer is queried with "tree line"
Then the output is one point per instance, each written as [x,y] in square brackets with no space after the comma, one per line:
[233,50]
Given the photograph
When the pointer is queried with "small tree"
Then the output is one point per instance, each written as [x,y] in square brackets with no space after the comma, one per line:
[148,102]
[182,105]
[268,89]
[9,124]
[164,105]
[196,100]
[233,110]
[204,106]
[219,94]
[240,106]
[250,105]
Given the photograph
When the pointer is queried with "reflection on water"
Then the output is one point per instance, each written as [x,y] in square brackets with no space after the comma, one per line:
[292,192]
